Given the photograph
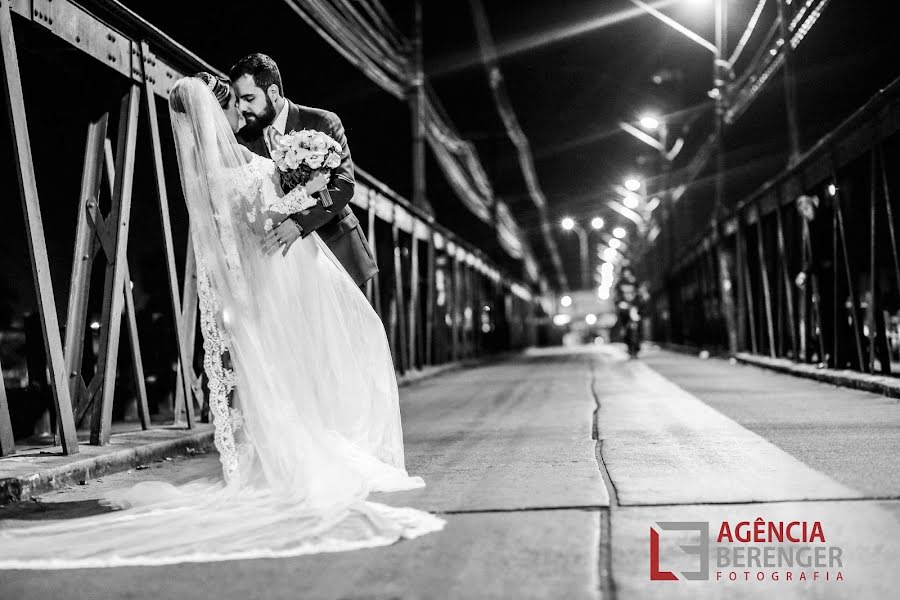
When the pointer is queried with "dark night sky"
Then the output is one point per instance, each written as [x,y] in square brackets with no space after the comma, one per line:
[572,68]
[573,72]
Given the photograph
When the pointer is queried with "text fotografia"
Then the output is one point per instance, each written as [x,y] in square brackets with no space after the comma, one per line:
[757,550]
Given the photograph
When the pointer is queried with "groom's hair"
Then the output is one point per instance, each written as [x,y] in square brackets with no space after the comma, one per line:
[261,68]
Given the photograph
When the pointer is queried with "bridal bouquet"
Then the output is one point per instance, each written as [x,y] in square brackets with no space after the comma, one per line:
[300,154]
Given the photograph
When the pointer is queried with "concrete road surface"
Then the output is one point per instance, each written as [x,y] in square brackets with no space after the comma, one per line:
[552,468]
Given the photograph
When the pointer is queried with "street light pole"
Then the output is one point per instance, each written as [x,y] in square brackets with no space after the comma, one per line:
[720,71]
[569,224]
[790,88]
[668,198]
[585,257]
[720,75]
[417,108]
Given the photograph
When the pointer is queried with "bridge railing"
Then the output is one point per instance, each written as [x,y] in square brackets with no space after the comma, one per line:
[807,267]
[441,299]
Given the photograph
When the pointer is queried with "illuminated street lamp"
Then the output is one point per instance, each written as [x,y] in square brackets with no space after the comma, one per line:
[630,202]
[721,70]
[632,184]
[619,232]
[597,223]
[649,122]
[615,244]
[568,224]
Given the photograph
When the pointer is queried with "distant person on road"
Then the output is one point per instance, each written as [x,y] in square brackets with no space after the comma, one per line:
[629,303]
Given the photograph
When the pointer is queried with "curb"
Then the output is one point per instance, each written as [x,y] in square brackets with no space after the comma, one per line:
[877,384]
[694,351]
[16,489]
[418,375]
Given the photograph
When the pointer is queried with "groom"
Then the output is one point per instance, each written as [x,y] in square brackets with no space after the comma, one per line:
[260,99]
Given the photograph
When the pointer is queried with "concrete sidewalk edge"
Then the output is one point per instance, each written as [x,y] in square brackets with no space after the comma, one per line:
[16,489]
[414,376]
[877,384]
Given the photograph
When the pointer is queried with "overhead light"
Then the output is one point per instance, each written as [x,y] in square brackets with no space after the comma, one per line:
[632,184]
[630,202]
[614,244]
[603,293]
[832,189]
[560,320]
[590,319]
[610,255]
[619,232]
[566,301]
[95,325]
[649,122]
[597,223]
[606,267]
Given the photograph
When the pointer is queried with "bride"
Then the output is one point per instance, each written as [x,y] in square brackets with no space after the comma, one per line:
[307,420]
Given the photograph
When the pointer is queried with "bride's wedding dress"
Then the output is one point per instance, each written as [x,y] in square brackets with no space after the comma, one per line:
[307,422]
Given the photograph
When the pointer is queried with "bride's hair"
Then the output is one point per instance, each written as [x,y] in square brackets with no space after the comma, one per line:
[219,87]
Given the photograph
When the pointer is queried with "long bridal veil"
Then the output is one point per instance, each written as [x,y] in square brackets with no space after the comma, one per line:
[307,419]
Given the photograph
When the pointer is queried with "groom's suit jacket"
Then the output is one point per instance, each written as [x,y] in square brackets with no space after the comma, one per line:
[338,227]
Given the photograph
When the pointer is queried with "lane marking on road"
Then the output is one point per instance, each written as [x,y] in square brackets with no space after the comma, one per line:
[663,446]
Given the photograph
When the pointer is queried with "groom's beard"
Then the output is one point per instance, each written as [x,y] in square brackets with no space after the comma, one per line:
[256,122]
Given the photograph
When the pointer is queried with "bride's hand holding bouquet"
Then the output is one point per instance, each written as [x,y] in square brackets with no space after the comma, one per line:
[305,158]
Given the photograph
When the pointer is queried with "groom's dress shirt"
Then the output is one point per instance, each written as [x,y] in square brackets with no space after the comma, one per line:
[278,125]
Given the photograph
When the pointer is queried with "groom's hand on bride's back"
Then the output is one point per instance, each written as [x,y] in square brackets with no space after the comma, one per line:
[281,237]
